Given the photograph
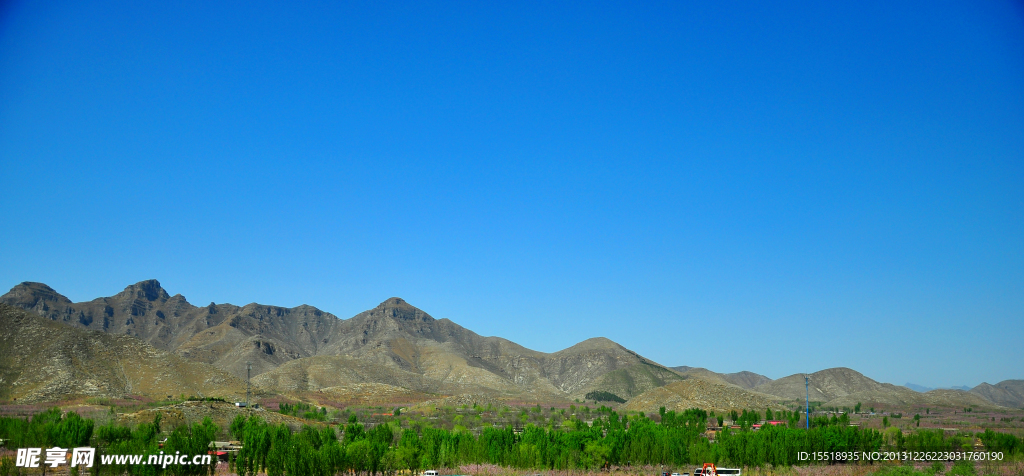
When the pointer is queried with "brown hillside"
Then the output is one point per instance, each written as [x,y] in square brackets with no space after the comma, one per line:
[825,385]
[44,360]
[600,364]
[366,394]
[843,387]
[1008,393]
[744,379]
[220,413]
[938,397]
[699,393]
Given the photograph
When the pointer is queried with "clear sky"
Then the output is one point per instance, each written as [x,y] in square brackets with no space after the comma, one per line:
[778,187]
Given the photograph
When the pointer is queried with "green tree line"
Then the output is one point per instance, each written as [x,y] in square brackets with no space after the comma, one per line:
[68,430]
[677,440]
[46,429]
[303,410]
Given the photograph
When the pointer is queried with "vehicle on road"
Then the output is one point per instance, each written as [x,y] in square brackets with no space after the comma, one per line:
[710,470]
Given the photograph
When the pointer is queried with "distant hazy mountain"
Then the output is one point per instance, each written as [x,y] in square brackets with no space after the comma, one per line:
[921,388]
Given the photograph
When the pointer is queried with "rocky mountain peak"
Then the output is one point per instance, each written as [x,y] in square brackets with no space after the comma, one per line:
[594,344]
[844,373]
[397,308]
[149,290]
[28,294]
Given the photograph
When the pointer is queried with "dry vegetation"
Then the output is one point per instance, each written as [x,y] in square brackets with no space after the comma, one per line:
[698,393]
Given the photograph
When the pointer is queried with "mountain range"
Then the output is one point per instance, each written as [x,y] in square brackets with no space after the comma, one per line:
[306,349]
[145,341]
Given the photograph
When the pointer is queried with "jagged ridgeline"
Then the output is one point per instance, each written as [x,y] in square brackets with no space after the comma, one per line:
[292,350]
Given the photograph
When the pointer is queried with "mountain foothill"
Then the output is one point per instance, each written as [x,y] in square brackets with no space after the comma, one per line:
[144,341]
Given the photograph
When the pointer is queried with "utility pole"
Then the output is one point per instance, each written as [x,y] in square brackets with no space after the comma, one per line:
[807,396]
[248,374]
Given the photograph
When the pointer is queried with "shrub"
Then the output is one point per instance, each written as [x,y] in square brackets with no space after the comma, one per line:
[602,396]
[962,468]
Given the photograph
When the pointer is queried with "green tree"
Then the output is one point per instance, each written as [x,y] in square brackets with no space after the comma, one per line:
[595,455]
[191,440]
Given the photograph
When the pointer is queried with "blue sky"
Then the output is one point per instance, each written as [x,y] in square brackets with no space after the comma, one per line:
[797,185]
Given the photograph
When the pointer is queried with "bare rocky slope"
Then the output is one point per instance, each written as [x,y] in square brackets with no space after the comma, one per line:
[41,360]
